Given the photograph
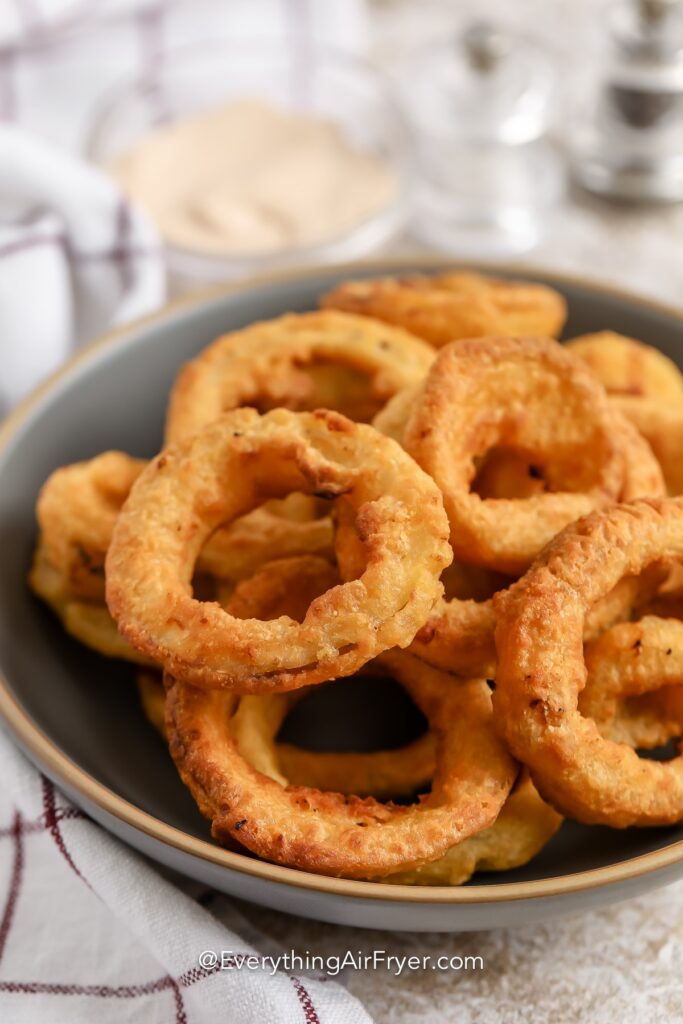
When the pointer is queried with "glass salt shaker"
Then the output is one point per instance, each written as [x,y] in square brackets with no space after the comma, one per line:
[488,175]
[630,140]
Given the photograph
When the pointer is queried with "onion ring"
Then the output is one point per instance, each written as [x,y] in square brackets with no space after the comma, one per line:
[634,690]
[453,305]
[76,510]
[541,669]
[521,830]
[383,774]
[647,387]
[300,361]
[347,836]
[224,471]
[458,637]
[79,504]
[504,474]
[89,623]
[629,367]
[661,424]
[531,396]
[287,587]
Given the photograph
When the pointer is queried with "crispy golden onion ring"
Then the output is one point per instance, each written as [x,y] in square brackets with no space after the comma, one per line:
[153,699]
[528,395]
[521,830]
[647,387]
[453,305]
[340,835]
[79,504]
[392,419]
[459,635]
[629,367]
[282,587]
[76,510]
[287,587]
[87,622]
[541,669]
[661,424]
[634,689]
[501,474]
[224,471]
[301,361]
[383,774]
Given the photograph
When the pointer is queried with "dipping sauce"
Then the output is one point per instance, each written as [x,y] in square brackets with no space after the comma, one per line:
[251,178]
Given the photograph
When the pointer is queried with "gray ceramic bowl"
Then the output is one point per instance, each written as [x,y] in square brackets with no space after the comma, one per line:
[77,716]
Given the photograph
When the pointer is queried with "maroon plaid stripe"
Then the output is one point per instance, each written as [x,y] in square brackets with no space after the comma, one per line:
[97,991]
[52,821]
[40,825]
[26,828]
[180,1015]
[123,229]
[15,881]
[121,252]
[32,242]
[310,1013]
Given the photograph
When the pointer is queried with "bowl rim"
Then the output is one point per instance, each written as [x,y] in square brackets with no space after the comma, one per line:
[60,766]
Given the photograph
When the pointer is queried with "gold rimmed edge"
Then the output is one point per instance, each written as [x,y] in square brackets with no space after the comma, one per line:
[63,769]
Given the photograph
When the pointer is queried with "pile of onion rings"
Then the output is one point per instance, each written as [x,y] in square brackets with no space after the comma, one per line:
[416,482]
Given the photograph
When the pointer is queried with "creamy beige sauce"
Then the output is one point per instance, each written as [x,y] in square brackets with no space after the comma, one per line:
[250,178]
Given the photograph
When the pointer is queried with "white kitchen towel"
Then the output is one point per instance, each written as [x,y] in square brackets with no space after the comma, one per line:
[89,931]
[75,259]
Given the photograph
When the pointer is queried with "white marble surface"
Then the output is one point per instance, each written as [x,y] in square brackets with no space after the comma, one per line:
[624,964]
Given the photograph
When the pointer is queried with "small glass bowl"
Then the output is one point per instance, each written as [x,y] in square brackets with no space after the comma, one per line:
[303,78]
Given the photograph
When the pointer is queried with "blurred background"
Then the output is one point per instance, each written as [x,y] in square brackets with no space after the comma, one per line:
[151,147]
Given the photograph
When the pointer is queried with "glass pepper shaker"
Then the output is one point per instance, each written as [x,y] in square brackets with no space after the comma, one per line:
[488,175]
[630,146]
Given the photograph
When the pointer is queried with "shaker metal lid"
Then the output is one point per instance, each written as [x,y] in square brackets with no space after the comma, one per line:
[650,31]
[646,39]
[632,147]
